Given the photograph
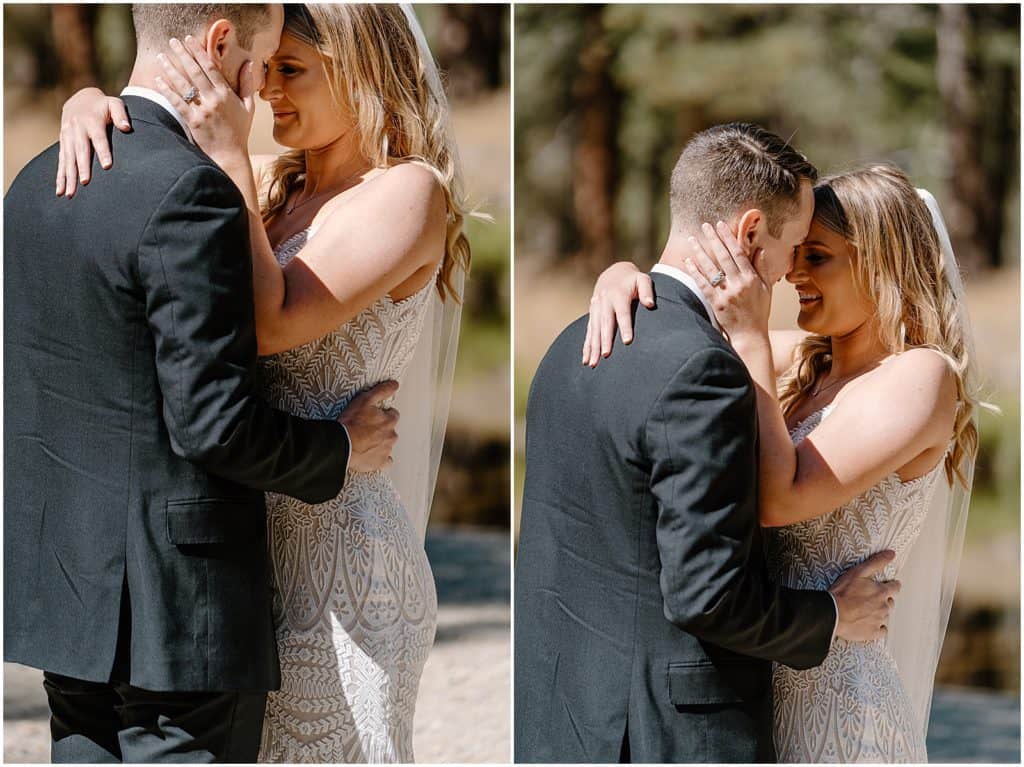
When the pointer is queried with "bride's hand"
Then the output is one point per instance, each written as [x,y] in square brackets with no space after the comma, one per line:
[742,301]
[219,119]
[611,305]
[83,128]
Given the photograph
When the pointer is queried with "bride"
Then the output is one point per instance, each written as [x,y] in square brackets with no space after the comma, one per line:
[867,424]
[358,260]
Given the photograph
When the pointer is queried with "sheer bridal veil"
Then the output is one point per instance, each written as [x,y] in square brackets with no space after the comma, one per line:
[919,620]
[424,395]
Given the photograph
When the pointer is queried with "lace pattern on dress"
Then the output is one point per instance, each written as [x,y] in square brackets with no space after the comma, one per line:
[355,606]
[851,708]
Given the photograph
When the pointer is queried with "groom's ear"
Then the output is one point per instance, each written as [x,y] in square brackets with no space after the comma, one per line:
[219,37]
[748,228]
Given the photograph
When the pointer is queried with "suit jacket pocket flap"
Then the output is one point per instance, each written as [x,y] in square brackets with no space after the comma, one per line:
[213,520]
[698,685]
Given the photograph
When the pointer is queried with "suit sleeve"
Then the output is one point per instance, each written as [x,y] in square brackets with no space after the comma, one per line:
[195,267]
[701,439]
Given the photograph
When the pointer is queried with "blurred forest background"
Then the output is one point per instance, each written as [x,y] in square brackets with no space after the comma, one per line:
[52,50]
[606,97]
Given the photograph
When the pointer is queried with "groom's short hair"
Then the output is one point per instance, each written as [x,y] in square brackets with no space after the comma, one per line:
[156,23]
[726,167]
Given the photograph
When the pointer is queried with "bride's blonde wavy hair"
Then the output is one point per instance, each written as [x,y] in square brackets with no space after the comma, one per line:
[373,67]
[898,264]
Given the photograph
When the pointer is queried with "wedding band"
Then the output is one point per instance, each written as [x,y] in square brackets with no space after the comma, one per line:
[189,97]
[717,279]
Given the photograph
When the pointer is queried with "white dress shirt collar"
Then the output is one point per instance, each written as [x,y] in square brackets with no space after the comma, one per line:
[157,98]
[688,281]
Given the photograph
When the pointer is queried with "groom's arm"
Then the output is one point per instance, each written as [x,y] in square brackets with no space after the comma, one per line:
[701,441]
[196,273]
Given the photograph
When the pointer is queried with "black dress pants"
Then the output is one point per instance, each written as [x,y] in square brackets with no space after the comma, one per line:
[109,722]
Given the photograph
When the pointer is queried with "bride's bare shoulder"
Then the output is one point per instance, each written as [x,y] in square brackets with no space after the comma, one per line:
[409,189]
[917,386]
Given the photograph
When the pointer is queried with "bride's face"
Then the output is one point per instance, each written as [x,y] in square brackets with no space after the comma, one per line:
[297,90]
[822,273]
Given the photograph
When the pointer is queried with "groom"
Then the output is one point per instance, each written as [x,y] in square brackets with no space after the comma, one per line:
[644,618]
[137,449]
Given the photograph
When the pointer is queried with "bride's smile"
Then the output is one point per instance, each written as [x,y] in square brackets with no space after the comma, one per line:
[822,273]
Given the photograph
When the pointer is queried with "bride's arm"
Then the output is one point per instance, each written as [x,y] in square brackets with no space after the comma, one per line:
[902,411]
[618,287]
[363,250]
[83,130]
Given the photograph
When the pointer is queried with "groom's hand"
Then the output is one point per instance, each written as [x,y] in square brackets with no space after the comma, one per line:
[864,604]
[371,428]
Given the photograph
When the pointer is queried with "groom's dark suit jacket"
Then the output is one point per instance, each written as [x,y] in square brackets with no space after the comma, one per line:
[136,448]
[644,619]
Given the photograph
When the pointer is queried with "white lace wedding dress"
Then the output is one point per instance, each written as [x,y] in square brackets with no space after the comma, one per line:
[354,600]
[851,708]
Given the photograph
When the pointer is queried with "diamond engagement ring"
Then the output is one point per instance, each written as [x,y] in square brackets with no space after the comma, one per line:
[717,279]
[189,97]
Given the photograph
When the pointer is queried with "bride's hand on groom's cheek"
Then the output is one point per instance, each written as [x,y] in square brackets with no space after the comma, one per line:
[219,118]
[730,279]
[83,129]
[611,308]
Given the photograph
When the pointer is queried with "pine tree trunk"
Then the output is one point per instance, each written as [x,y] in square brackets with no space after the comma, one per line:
[974,211]
[73,37]
[595,155]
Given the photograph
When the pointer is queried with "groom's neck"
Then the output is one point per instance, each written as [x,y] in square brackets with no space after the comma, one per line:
[677,250]
[145,72]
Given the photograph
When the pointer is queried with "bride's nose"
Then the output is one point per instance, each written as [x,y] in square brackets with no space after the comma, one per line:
[271,87]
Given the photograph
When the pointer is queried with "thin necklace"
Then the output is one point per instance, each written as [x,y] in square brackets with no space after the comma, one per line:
[337,189]
[826,388]
[844,378]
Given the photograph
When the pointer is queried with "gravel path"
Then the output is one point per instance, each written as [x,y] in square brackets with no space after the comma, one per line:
[464,708]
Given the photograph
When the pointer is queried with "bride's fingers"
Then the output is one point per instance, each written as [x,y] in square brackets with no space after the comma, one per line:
[177,82]
[701,280]
[586,338]
[247,84]
[607,327]
[119,114]
[70,168]
[172,95]
[192,69]
[720,253]
[60,166]
[708,268]
[760,261]
[206,63]
[739,253]
[645,289]
[83,157]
